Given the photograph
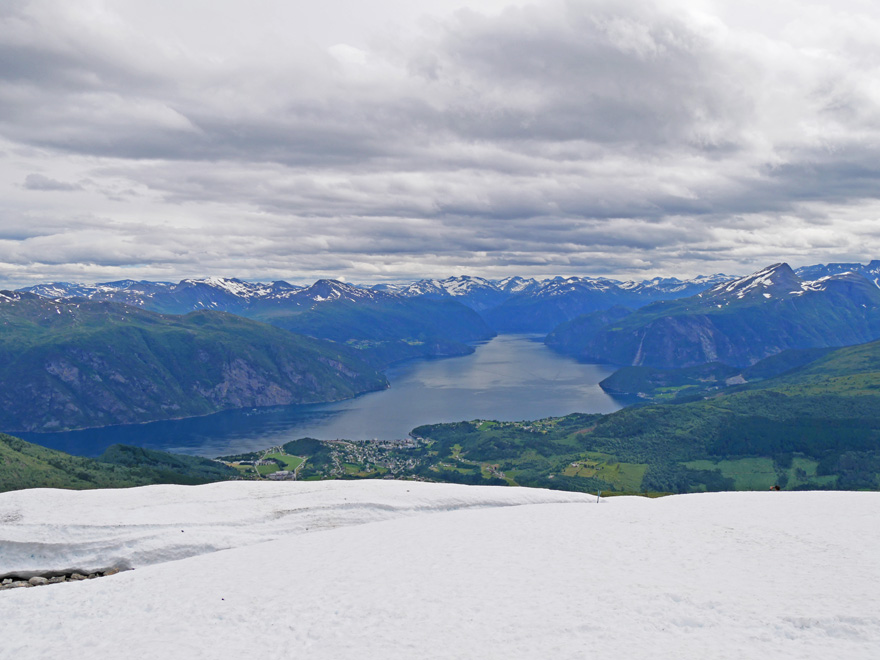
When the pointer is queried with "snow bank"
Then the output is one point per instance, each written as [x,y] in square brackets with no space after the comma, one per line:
[731,575]
[44,531]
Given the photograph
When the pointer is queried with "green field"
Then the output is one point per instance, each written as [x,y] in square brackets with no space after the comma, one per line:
[623,476]
[290,462]
[746,473]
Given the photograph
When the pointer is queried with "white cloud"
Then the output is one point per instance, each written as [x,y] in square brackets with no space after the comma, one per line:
[265,139]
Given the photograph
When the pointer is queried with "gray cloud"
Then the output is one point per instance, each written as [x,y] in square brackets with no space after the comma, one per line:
[588,135]
[40,182]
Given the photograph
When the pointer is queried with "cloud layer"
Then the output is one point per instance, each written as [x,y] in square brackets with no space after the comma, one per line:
[578,137]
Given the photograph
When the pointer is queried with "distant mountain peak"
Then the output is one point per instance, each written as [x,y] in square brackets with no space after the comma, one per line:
[230,285]
[773,281]
[326,290]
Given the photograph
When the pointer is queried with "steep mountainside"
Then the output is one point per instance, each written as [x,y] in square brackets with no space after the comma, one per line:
[381,326]
[78,363]
[739,322]
[651,383]
[575,334]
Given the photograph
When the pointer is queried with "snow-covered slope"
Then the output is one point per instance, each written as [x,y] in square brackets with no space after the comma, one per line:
[457,572]
[324,290]
[776,280]
[136,527]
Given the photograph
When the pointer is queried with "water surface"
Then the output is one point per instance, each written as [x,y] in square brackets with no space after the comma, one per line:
[510,378]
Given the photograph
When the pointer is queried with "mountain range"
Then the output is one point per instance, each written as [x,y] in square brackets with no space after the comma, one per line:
[512,304]
[78,363]
[870,271]
[736,323]
[384,327]
[128,351]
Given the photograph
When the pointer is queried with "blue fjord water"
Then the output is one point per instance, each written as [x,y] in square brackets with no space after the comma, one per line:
[511,377]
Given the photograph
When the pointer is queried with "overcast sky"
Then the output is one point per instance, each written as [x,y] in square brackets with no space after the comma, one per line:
[399,139]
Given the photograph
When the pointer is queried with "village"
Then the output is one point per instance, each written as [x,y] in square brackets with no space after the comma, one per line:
[343,458]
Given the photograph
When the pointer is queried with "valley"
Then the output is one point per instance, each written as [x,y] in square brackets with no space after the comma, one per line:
[740,385]
[510,377]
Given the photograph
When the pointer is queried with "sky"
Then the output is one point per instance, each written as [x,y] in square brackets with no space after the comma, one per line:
[395,140]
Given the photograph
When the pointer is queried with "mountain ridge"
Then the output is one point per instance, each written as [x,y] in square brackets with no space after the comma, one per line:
[77,363]
[737,322]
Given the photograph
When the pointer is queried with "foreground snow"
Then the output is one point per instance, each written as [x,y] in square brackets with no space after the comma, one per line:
[43,530]
[408,570]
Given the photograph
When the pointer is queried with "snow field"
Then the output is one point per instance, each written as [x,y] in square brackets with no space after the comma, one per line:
[51,530]
[728,575]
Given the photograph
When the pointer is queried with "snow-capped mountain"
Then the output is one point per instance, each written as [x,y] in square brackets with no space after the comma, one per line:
[672,286]
[11,296]
[61,290]
[543,307]
[737,322]
[398,570]
[870,271]
[776,280]
[384,327]
[334,290]
[475,292]
[218,293]
[779,281]
[516,284]
[509,304]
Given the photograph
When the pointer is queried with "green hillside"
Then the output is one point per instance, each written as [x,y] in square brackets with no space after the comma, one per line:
[817,426]
[736,323]
[387,330]
[26,465]
[653,384]
[76,363]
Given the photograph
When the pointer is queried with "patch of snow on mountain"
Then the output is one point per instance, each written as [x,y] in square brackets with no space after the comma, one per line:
[821,283]
[62,290]
[465,284]
[389,288]
[326,290]
[516,284]
[233,286]
[775,276]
